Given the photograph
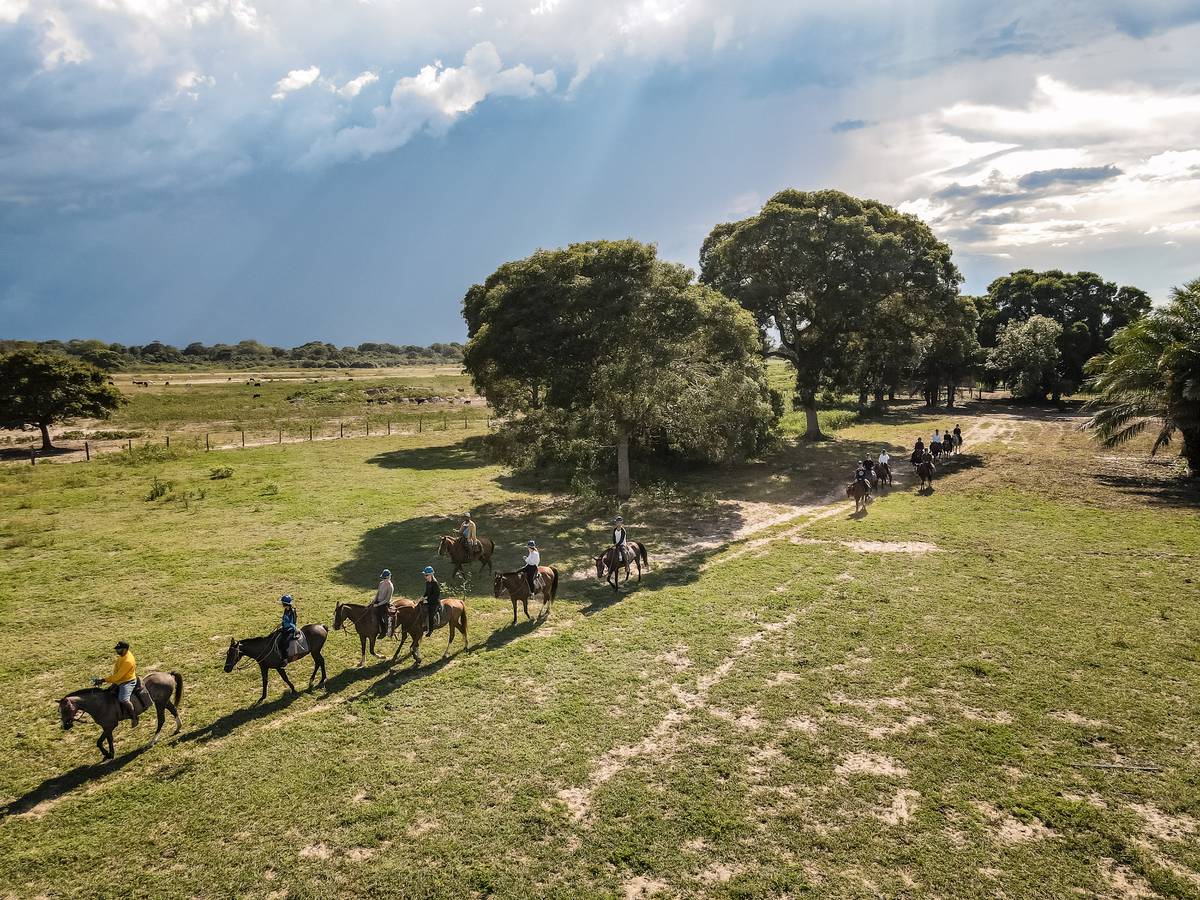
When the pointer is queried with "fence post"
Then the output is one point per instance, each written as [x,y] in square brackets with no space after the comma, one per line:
[206,445]
[420,423]
[32,457]
[341,429]
[465,425]
[168,440]
[131,445]
[310,432]
[87,451]
[368,427]
[243,437]
[389,426]
[445,423]
[281,435]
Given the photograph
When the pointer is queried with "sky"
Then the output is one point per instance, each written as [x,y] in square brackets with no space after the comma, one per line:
[343,170]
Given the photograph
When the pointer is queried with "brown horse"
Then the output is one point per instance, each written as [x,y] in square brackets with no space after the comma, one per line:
[884,471]
[456,549]
[366,623]
[925,470]
[518,589]
[860,493]
[409,619]
[265,651]
[102,706]
[610,562]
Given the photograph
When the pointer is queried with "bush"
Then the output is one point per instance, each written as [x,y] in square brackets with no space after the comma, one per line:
[158,489]
[221,472]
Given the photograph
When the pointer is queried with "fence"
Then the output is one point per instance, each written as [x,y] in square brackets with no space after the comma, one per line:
[290,433]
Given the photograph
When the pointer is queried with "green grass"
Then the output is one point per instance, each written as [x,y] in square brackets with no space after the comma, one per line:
[713,727]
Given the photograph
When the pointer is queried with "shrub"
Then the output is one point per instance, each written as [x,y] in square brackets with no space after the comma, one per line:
[158,489]
[221,472]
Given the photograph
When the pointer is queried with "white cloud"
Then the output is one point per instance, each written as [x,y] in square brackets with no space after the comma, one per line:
[354,86]
[295,80]
[11,10]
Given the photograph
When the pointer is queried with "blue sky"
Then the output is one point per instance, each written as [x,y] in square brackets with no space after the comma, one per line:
[222,169]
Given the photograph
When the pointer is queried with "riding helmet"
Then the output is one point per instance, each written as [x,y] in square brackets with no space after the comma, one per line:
[386,573]
[531,543]
[122,645]
[428,570]
[286,599]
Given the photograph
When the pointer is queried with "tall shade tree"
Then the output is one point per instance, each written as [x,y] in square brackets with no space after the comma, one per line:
[1149,378]
[1088,308]
[602,342]
[952,351]
[1026,357]
[41,389]
[810,267]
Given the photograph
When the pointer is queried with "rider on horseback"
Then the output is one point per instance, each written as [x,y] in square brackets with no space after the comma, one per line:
[860,473]
[123,678]
[619,537]
[382,602]
[533,559]
[432,598]
[957,436]
[467,530]
[287,626]
[884,457]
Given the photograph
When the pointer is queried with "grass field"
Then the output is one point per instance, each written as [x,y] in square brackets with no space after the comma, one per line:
[927,700]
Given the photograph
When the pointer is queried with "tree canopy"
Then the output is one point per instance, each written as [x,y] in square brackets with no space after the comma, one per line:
[43,388]
[812,267]
[1026,357]
[601,344]
[1150,377]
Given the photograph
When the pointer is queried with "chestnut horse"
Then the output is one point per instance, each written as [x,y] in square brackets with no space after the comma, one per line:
[860,493]
[408,620]
[102,706]
[366,623]
[456,549]
[518,589]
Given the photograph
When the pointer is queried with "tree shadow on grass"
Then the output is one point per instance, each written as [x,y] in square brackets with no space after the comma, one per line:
[53,788]
[462,455]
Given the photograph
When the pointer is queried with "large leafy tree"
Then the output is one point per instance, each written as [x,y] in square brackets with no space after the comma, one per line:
[1026,357]
[811,266]
[1088,308]
[1150,378]
[952,351]
[44,388]
[602,342]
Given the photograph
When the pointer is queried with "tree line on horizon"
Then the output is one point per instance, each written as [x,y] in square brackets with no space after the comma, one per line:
[116,357]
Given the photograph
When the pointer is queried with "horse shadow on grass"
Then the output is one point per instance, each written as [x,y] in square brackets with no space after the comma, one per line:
[59,785]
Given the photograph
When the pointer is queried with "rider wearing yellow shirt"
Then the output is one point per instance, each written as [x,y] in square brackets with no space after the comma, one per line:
[123,677]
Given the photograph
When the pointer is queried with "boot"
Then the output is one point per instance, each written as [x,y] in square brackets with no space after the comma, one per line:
[131,712]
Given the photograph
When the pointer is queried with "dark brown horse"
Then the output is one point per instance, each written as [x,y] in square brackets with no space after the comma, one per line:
[102,706]
[860,493]
[460,555]
[609,562]
[884,471]
[517,587]
[925,470]
[366,623]
[265,651]
[409,619]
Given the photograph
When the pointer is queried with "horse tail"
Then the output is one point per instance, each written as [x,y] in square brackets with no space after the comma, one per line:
[178,687]
[642,554]
[554,583]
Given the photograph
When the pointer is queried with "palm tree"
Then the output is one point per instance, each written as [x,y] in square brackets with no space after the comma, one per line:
[1150,377]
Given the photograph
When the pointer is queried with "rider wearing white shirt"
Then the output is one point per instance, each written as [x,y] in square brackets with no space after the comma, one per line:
[533,559]
[619,537]
[884,458]
[937,437]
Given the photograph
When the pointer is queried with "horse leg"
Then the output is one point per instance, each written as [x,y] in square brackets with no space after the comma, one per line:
[283,674]
[400,646]
[449,639]
[318,663]
[263,669]
[525,604]
[514,603]
[162,717]
[362,656]
[416,649]
[178,721]
[373,653]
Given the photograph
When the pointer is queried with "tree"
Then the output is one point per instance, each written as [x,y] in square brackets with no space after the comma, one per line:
[952,351]
[811,266]
[43,388]
[1150,375]
[1026,357]
[602,344]
[1088,308]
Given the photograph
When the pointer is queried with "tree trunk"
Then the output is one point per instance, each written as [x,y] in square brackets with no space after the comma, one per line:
[623,490]
[950,389]
[879,396]
[1191,451]
[812,431]
[891,392]
[46,445]
[862,397]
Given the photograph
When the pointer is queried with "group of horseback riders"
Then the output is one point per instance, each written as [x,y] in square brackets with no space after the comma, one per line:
[940,442]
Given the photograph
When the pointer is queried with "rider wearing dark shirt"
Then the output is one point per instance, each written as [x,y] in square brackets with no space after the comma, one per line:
[432,598]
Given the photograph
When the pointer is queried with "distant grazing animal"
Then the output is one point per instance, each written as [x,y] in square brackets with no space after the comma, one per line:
[102,706]
[609,562]
[408,620]
[517,588]
[925,470]
[454,548]
[860,493]
[265,651]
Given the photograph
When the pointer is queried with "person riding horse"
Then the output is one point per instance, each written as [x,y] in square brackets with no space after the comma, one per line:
[619,538]
[885,458]
[467,531]
[860,473]
[123,680]
[935,442]
[957,436]
[383,601]
[287,626]
[533,559]
[432,599]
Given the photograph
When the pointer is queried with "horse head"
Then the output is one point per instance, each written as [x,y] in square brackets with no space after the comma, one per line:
[67,710]
[233,654]
[600,565]
[339,613]
[497,586]
[444,545]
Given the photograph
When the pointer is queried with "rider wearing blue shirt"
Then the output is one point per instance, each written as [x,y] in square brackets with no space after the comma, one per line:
[287,625]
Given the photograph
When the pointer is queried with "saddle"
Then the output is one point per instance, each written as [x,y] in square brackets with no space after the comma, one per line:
[297,647]
[140,698]
[434,611]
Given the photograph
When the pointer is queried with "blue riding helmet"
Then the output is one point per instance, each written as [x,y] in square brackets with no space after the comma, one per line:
[386,573]
[286,599]
[531,543]
[619,521]
[428,570]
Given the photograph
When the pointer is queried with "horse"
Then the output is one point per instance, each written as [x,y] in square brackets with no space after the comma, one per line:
[860,493]
[884,471]
[925,470]
[366,623]
[936,449]
[518,589]
[610,562]
[408,618]
[265,651]
[460,555]
[102,706]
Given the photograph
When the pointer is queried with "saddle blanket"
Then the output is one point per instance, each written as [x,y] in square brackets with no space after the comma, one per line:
[298,646]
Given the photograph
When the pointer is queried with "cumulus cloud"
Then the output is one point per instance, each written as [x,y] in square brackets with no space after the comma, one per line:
[295,80]
[354,86]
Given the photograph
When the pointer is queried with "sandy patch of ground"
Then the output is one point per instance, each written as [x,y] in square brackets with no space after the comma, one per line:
[1074,718]
[1125,883]
[917,548]
[871,764]
[1008,830]
[902,807]
[1165,826]
[642,886]
[316,851]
